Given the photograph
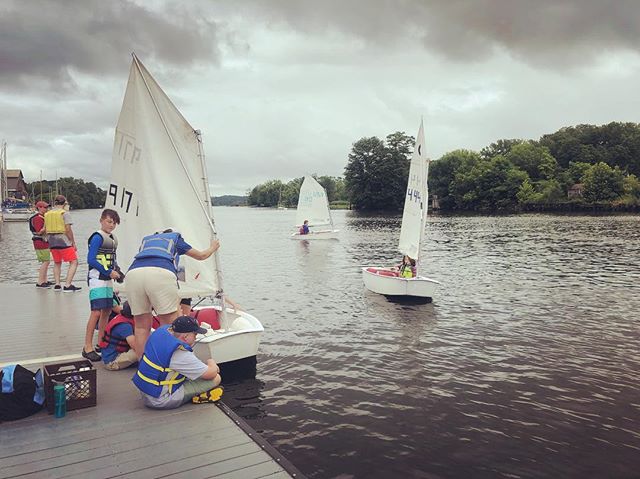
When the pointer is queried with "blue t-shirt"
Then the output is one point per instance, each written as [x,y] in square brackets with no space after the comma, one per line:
[181,248]
[121,330]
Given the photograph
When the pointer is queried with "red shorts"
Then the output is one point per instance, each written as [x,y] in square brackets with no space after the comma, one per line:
[66,255]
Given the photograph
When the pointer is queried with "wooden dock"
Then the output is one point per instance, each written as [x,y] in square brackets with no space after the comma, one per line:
[119,437]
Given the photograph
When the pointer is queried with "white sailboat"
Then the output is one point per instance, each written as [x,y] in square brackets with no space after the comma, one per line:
[313,206]
[388,281]
[158,181]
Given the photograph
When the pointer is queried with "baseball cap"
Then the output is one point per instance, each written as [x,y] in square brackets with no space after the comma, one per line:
[187,324]
[42,204]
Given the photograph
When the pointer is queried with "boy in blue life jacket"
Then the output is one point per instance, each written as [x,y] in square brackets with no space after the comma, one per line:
[169,373]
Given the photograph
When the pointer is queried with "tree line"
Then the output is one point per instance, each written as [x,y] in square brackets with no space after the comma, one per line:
[79,194]
[583,165]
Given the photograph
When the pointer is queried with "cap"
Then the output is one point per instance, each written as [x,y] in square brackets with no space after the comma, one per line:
[42,204]
[60,200]
[187,324]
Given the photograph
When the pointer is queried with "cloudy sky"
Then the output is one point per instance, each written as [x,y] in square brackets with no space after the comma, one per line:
[283,88]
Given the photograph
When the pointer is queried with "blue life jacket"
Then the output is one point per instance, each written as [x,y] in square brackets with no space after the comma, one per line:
[160,245]
[153,369]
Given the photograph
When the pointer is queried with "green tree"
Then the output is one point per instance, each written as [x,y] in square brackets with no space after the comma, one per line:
[376,174]
[534,159]
[527,193]
[500,147]
[602,183]
[443,171]
[490,185]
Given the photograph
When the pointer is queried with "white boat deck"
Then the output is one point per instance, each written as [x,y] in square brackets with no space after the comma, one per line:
[119,437]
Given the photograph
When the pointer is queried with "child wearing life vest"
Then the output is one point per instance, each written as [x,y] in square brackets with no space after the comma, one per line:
[57,224]
[117,342]
[304,229]
[407,269]
[102,271]
[40,244]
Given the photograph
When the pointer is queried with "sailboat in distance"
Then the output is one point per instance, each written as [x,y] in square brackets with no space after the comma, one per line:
[159,180]
[408,281]
[313,207]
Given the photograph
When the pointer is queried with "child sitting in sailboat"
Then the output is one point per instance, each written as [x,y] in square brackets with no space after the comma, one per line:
[407,269]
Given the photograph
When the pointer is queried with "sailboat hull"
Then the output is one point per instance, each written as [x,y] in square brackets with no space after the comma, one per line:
[241,340]
[317,235]
[383,281]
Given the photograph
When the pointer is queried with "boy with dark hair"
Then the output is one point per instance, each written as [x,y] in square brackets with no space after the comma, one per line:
[101,259]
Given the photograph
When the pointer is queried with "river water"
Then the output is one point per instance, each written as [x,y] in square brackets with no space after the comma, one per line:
[526,364]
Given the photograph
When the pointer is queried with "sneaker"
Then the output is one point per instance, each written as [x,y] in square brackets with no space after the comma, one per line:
[210,396]
[97,349]
[57,287]
[43,285]
[91,356]
[71,289]
[49,283]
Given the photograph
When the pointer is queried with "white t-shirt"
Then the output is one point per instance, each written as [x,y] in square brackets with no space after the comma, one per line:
[185,363]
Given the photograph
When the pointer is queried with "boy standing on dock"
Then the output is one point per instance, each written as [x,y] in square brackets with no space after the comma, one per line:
[101,259]
[40,244]
[57,224]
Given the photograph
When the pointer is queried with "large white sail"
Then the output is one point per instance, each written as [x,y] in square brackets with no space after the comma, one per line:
[415,202]
[159,180]
[313,204]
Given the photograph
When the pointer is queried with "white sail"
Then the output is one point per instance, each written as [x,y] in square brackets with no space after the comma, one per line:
[415,202]
[313,204]
[159,180]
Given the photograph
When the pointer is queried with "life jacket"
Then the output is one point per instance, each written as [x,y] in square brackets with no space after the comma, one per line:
[160,245]
[153,369]
[119,342]
[106,255]
[53,221]
[22,392]
[407,271]
[34,232]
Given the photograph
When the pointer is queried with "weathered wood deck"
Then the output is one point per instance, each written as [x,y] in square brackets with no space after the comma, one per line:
[119,437]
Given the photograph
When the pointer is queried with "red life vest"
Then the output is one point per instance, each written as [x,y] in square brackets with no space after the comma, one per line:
[119,342]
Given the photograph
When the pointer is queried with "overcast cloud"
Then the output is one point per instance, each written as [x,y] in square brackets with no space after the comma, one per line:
[283,88]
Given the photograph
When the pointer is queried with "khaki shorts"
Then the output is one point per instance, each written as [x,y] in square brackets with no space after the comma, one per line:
[152,288]
[122,361]
[43,255]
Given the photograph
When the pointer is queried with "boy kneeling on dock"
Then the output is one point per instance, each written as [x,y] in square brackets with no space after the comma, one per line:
[169,373]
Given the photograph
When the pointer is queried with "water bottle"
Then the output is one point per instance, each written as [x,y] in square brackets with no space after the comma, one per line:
[59,400]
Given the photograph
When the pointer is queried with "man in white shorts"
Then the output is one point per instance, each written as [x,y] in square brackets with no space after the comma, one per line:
[151,282]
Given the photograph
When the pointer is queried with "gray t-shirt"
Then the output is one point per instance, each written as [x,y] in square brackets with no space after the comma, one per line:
[60,240]
[185,363]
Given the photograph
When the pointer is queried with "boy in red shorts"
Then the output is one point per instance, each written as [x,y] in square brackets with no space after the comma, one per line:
[57,224]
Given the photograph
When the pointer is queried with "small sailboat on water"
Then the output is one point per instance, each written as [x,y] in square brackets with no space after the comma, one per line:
[159,180]
[313,206]
[391,281]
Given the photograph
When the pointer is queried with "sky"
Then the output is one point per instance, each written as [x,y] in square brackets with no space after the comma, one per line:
[283,88]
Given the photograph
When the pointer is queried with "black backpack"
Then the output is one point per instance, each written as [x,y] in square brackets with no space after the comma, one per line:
[22,392]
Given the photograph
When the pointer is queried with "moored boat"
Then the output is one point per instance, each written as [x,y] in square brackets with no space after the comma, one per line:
[159,180]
